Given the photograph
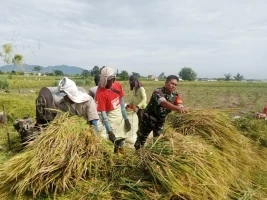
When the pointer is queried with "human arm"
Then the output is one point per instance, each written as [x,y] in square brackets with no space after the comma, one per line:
[174,104]
[123,110]
[91,113]
[91,93]
[94,123]
[170,106]
[105,120]
[130,103]
[124,114]
[111,135]
[143,98]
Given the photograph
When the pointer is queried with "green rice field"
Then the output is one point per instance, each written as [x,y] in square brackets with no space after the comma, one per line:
[216,157]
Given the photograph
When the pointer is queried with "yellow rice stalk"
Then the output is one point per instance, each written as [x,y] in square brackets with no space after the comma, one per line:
[205,158]
[205,161]
[188,167]
[67,152]
[215,127]
[95,189]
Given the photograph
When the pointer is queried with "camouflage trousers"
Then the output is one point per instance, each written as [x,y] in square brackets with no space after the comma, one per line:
[147,125]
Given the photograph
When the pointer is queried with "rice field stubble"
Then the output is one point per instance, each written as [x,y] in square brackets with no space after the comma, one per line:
[236,98]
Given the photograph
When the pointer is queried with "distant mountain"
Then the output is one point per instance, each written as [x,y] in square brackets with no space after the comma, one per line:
[69,70]
[9,68]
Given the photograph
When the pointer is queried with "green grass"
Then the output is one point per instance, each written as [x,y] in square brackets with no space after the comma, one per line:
[15,82]
[234,98]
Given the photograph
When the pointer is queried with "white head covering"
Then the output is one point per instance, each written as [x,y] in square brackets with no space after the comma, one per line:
[107,73]
[69,87]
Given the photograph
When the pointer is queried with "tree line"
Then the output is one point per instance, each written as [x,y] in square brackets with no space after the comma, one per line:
[186,73]
[124,75]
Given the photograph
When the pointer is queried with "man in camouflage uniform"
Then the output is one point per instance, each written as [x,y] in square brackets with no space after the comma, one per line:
[162,102]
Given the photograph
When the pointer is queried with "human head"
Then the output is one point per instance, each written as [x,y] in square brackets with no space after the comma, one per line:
[132,81]
[107,77]
[97,79]
[171,83]
[71,92]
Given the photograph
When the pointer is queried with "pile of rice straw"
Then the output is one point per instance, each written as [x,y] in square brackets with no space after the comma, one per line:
[200,156]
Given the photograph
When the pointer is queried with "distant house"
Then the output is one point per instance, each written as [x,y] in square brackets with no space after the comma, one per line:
[27,73]
[206,79]
[151,77]
[202,79]
[212,80]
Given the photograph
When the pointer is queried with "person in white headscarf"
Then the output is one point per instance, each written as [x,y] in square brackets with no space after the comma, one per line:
[77,102]
[110,103]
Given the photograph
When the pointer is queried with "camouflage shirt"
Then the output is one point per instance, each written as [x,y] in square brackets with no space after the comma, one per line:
[154,110]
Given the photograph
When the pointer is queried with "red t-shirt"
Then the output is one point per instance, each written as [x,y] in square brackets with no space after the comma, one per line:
[109,99]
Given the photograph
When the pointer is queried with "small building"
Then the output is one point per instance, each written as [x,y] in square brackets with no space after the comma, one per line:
[27,73]
[151,77]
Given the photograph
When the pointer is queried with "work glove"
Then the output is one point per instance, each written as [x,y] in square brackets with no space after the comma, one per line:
[127,125]
[111,136]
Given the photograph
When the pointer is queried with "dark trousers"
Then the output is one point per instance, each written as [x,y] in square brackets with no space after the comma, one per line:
[146,126]
[140,114]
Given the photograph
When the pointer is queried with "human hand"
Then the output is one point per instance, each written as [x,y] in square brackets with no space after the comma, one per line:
[127,125]
[260,115]
[111,136]
[182,110]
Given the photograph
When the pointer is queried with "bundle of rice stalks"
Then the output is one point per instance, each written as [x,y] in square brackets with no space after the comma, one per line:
[206,158]
[187,167]
[95,189]
[213,126]
[253,128]
[123,189]
[67,152]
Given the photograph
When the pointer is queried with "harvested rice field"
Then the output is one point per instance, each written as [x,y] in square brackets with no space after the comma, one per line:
[215,152]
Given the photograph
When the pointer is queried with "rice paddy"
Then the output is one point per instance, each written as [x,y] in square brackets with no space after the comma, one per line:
[201,155]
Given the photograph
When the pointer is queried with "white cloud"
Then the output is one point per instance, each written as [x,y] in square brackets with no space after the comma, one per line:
[142,36]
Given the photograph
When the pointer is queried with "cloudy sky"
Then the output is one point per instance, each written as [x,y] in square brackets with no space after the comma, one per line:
[144,36]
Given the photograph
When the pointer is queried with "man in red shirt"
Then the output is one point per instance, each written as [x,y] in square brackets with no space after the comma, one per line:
[110,104]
